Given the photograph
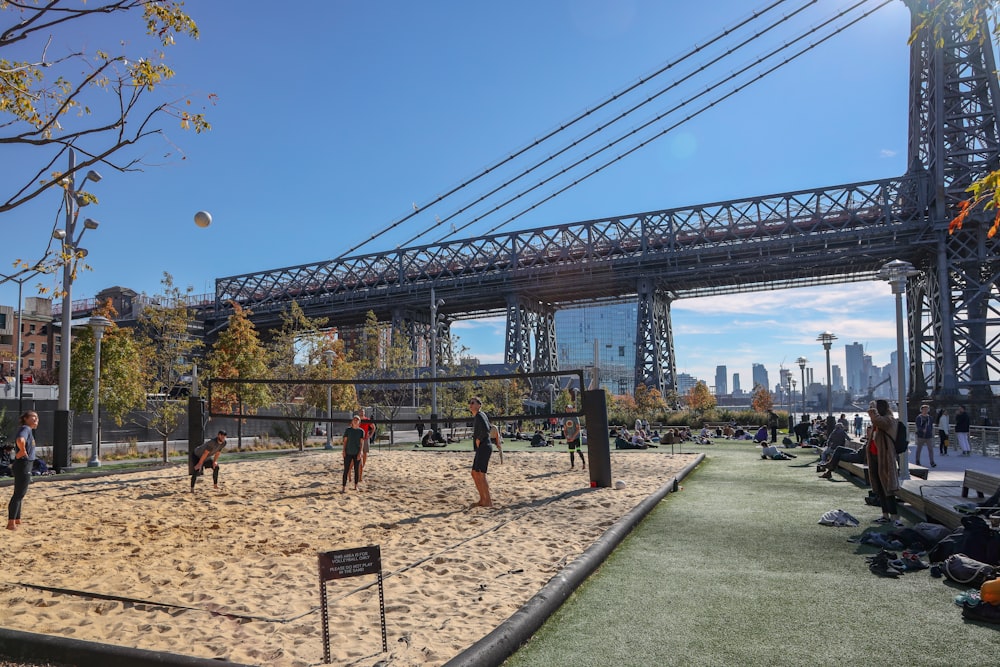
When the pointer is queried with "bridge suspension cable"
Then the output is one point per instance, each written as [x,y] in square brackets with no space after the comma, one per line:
[563,127]
[600,128]
[665,131]
[565,170]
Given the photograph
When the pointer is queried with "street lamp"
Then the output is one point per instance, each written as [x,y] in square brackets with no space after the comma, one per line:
[896,274]
[73,200]
[802,361]
[98,324]
[329,354]
[435,304]
[827,339]
[792,380]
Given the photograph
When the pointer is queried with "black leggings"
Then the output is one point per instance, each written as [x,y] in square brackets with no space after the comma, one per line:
[194,475]
[352,460]
[574,446]
[22,478]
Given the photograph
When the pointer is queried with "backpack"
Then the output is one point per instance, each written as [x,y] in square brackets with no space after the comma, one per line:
[901,442]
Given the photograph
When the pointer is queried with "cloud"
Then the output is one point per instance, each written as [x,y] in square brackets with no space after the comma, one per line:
[886,153]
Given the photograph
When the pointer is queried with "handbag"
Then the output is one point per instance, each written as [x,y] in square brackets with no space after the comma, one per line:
[967,571]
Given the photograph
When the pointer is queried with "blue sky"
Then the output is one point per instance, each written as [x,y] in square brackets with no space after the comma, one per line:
[333,118]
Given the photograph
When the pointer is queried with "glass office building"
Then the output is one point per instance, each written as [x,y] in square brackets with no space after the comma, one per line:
[612,327]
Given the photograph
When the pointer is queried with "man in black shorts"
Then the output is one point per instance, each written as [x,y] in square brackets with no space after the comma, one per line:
[484,449]
[571,429]
[201,453]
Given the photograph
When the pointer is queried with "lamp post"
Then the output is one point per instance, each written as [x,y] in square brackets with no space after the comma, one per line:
[791,381]
[98,324]
[435,304]
[802,361]
[896,274]
[73,200]
[329,354]
[827,339]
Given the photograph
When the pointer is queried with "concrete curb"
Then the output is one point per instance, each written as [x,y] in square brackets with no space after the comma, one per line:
[31,646]
[500,644]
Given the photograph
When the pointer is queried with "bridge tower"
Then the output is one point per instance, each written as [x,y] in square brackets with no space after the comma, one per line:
[954,307]
[526,319]
[655,366]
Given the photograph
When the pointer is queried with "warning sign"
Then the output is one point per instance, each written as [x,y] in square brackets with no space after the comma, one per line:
[350,563]
[341,565]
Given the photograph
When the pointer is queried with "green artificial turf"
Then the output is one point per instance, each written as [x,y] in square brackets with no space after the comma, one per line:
[735,570]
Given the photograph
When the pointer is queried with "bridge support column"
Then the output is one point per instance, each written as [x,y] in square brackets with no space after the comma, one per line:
[655,366]
[525,317]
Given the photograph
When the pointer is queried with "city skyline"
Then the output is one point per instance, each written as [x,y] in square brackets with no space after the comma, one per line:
[376,110]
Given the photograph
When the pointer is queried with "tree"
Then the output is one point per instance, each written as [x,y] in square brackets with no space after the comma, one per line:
[60,95]
[622,409]
[761,399]
[342,396]
[970,16]
[122,376]
[238,353]
[168,348]
[386,355]
[699,398]
[292,357]
[649,401]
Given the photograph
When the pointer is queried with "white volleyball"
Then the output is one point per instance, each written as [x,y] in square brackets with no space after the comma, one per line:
[620,484]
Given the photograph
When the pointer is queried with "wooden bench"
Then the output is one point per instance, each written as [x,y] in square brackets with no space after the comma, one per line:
[860,470]
[936,500]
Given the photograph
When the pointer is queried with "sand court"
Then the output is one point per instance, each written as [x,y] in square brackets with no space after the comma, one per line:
[138,560]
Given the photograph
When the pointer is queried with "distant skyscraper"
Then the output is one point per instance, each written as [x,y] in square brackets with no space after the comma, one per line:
[685,383]
[721,389]
[857,382]
[838,378]
[736,385]
[760,376]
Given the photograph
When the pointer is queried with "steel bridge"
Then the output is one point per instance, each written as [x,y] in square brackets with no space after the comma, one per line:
[825,235]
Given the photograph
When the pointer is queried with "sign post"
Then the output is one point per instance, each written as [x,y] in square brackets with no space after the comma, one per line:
[341,565]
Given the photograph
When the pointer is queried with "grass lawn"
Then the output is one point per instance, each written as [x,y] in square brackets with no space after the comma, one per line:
[735,570]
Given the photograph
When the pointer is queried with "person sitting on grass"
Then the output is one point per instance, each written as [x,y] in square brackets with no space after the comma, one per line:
[761,436]
[432,438]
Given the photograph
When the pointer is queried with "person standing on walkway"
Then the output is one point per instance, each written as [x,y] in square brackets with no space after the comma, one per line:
[24,461]
[571,429]
[925,433]
[962,431]
[353,437]
[883,470]
[943,426]
[484,449]
[201,453]
[859,423]
[420,430]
